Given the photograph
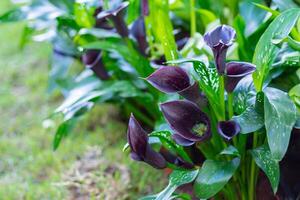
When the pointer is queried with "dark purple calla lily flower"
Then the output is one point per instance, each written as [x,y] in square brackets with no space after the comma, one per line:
[116,15]
[93,60]
[219,40]
[187,120]
[228,129]
[140,148]
[139,33]
[235,71]
[171,79]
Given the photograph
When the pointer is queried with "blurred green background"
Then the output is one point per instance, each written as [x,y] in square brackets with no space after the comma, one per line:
[89,164]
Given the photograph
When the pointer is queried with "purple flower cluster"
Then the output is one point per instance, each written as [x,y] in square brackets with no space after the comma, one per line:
[190,124]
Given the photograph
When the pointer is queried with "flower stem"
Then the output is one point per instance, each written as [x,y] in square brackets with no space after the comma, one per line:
[193,17]
[140,115]
[230,105]
[222,96]
[252,182]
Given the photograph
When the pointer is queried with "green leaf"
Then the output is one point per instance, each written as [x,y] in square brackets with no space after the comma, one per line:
[266,8]
[270,166]
[252,15]
[130,54]
[207,16]
[67,5]
[285,4]
[280,117]
[166,139]
[213,176]
[62,131]
[160,25]
[174,196]
[176,179]
[265,51]
[294,93]
[133,10]
[96,32]
[84,15]
[14,15]
[82,97]
[250,120]
[231,150]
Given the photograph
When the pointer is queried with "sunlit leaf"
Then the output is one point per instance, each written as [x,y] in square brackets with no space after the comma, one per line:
[266,51]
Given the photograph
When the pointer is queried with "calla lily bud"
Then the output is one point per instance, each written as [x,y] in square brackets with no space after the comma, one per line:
[115,14]
[219,40]
[170,79]
[236,71]
[145,7]
[140,148]
[93,60]
[187,120]
[139,33]
[228,129]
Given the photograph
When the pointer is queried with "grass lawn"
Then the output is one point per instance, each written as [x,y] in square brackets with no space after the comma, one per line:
[88,164]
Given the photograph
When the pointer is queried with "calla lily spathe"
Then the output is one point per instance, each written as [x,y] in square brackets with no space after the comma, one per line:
[170,79]
[228,129]
[93,60]
[219,40]
[139,33]
[187,120]
[236,71]
[140,148]
[115,14]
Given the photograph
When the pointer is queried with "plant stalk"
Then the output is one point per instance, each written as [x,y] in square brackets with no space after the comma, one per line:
[252,182]
[193,17]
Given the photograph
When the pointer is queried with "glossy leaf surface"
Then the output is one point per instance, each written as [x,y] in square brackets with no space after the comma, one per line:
[213,176]
[264,160]
[280,117]
[250,120]
[266,51]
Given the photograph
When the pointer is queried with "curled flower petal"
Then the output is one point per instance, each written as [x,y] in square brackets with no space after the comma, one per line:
[235,71]
[139,33]
[181,140]
[187,120]
[228,129]
[140,148]
[93,60]
[115,14]
[169,79]
[219,40]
